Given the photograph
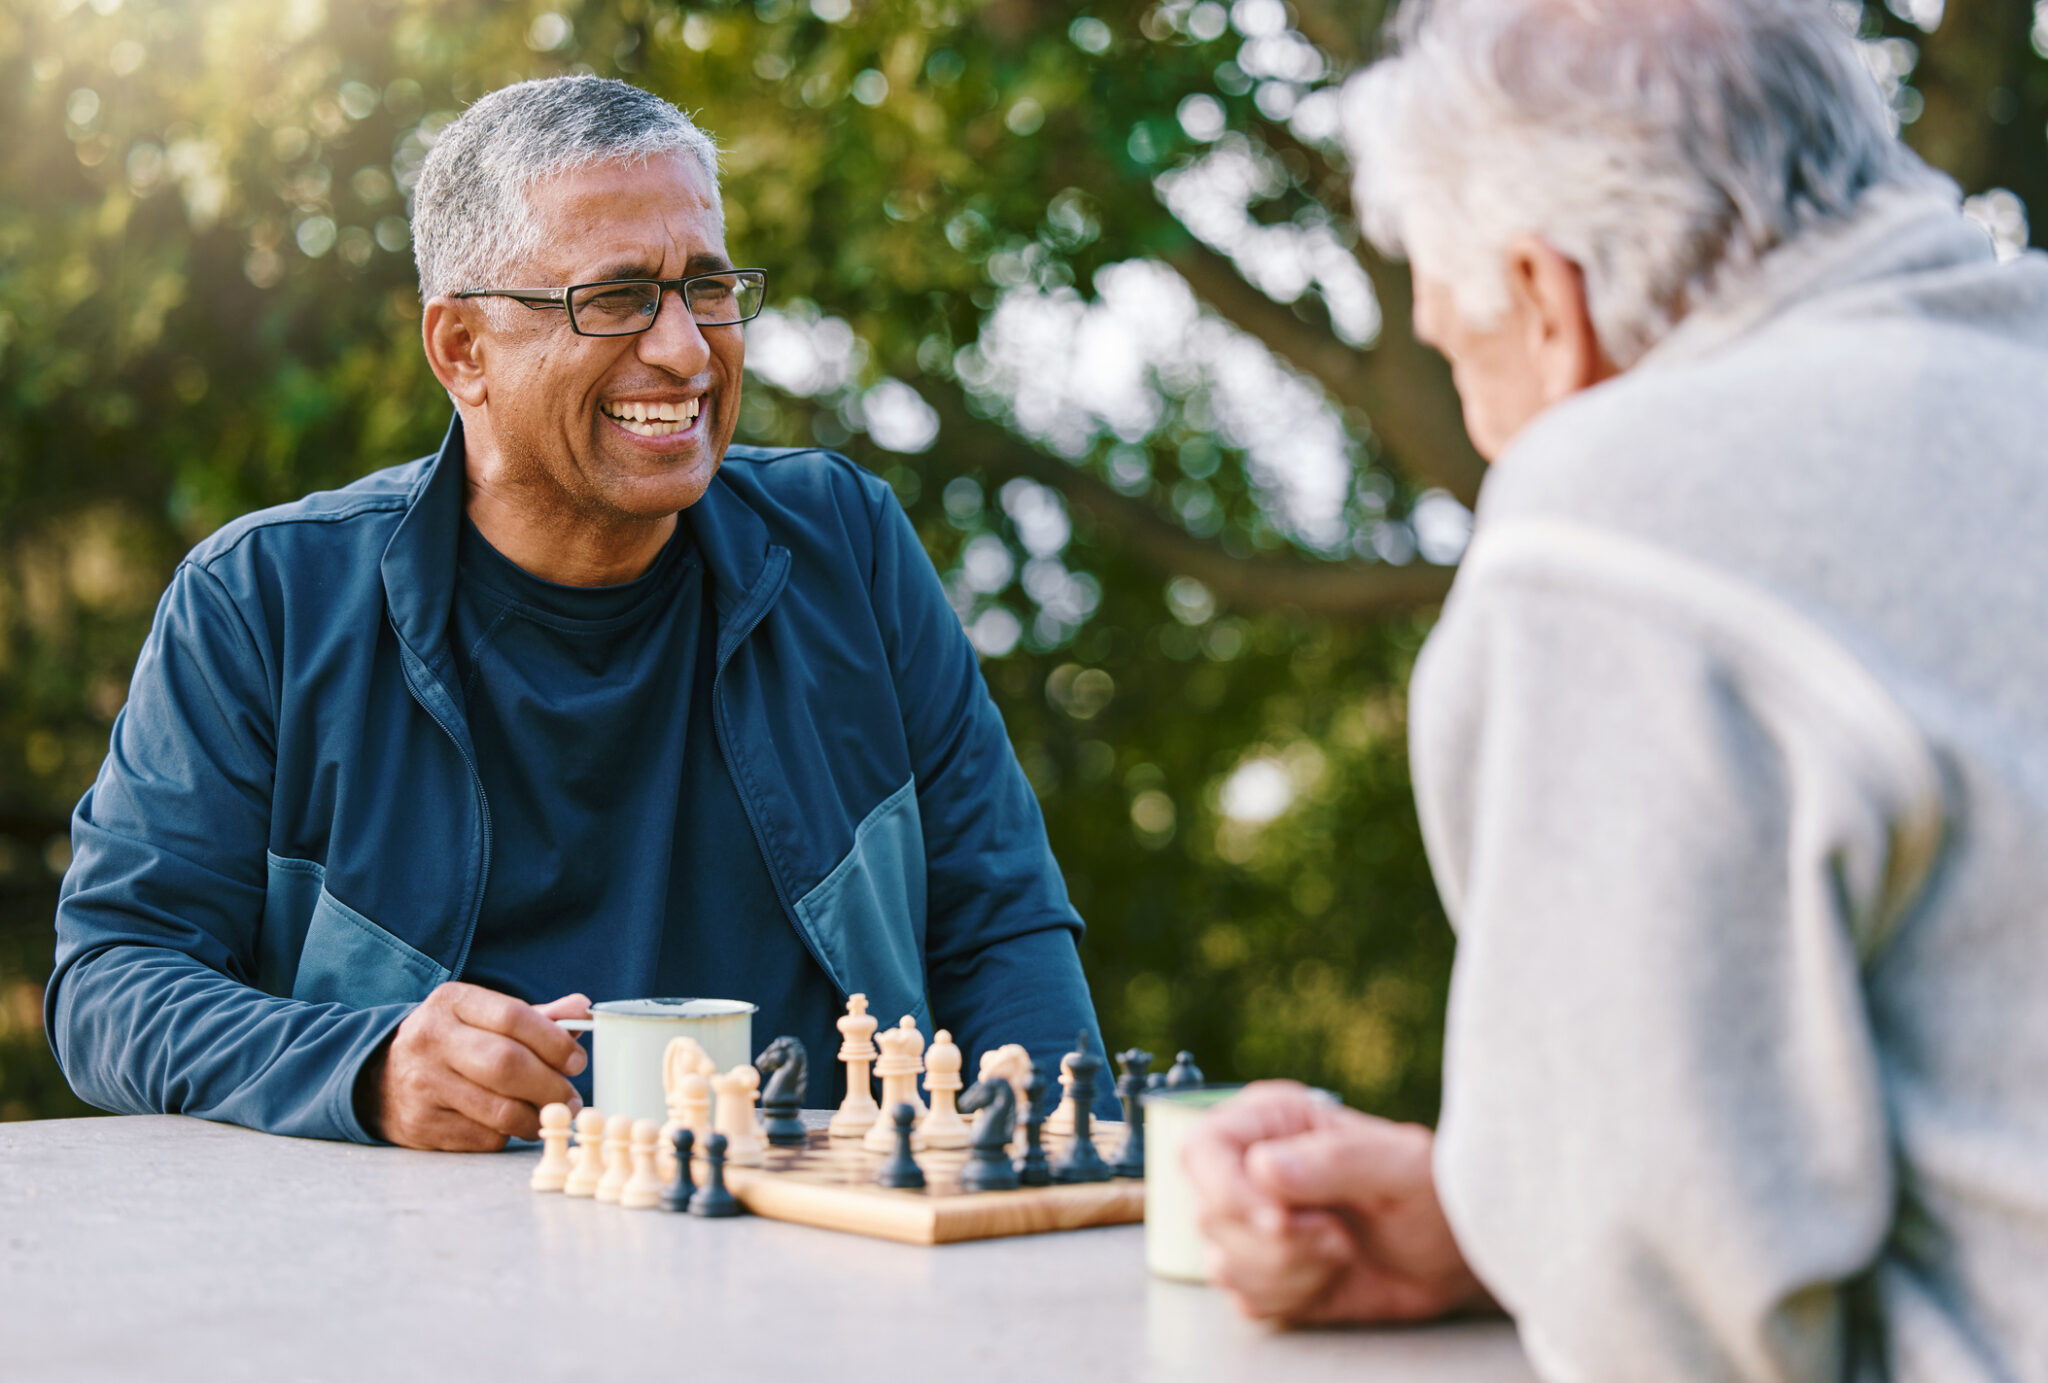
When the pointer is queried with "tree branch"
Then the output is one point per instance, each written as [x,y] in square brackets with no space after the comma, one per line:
[1401,386]
[1331,589]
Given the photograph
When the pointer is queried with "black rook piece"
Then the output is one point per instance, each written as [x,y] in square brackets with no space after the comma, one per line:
[785,1067]
[678,1196]
[1130,1086]
[988,1147]
[712,1200]
[1185,1075]
[901,1171]
[1034,1170]
[1082,1162]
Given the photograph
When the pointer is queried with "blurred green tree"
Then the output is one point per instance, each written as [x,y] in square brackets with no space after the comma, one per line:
[1081,282]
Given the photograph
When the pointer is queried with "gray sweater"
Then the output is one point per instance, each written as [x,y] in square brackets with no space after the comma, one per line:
[1731,750]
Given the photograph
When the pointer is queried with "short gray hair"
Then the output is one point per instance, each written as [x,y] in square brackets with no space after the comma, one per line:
[470,217]
[1664,146]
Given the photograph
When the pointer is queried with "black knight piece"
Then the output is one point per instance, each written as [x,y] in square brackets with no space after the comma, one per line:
[1034,1170]
[785,1067]
[1185,1075]
[901,1172]
[712,1200]
[677,1197]
[1130,1087]
[988,1146]
[1082,1162]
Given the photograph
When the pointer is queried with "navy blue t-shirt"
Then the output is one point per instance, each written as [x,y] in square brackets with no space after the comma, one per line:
[622,862]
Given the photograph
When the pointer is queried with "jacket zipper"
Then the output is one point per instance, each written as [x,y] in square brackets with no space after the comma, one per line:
[483,807]
[724,736]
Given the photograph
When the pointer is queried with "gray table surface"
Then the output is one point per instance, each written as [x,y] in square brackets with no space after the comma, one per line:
[171,1248]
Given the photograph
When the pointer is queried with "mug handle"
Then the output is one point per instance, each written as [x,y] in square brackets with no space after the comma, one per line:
[575,1024]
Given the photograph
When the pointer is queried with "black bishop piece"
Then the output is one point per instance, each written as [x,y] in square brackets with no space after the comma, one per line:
[1032,1168]
[1082,1163]
[1130,1087]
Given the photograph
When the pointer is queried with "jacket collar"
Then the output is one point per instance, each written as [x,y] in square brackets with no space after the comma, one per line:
[418,566]
[1897,230]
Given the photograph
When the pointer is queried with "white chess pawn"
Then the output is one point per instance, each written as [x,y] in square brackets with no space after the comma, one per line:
[943,1127]
[902,1062]
[589,1155]
[737,1089]
[642,1190]
[858,1112]
[1062,1120]
[618,1157]
[551,1173]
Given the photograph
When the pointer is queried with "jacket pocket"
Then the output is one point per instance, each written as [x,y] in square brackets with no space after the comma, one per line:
[867,917]
[328,952]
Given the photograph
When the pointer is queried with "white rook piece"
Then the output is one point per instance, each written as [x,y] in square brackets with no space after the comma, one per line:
[858,1112]
[737,1089]
[551,1173]
[1012,1063]
[902,1061]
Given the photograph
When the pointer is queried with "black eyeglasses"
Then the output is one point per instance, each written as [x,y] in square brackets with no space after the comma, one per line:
[626,307]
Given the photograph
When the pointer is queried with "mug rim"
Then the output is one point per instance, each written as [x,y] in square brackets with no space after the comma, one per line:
[671,1010]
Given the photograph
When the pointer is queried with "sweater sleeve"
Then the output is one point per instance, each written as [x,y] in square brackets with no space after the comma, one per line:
[153,1006]
[1001,955]
[1671,830]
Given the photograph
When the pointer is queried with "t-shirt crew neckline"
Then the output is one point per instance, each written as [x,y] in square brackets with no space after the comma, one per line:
[594,609]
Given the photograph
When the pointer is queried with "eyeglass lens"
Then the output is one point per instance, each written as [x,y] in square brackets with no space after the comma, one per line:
[620,309]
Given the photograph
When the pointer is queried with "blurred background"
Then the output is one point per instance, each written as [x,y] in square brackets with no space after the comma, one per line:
[1081,282]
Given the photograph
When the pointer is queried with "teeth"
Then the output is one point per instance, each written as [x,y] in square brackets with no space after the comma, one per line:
[653,419]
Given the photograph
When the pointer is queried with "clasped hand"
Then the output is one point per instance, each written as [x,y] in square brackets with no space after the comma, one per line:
[470,1068]
[1317,1214]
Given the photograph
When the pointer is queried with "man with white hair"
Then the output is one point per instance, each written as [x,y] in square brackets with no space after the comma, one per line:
[590,704]
[1729,747]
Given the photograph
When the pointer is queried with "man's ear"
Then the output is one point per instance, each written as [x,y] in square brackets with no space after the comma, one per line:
[1551,297]
[452,333]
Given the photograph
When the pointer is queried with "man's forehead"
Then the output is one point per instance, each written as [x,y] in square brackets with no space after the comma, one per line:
[631,218]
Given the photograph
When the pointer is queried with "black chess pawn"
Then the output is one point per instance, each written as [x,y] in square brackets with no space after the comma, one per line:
[1032,1168]
[901,1172]
[678,1196]
[1156,1081]
[1130,1088]
[1185,1075]
[712,1200]
[1082,1163]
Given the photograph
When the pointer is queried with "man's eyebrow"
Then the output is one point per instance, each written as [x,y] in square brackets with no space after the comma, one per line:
[639,269]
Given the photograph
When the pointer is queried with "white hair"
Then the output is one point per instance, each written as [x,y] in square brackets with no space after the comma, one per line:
[470,217]
[1663,146]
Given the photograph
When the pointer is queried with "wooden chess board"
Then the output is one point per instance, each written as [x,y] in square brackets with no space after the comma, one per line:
[830,1183]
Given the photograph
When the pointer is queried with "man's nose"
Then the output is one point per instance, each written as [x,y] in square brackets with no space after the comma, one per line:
[675,342]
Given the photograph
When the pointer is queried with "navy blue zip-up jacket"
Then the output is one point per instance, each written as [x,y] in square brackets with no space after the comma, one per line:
[287,846]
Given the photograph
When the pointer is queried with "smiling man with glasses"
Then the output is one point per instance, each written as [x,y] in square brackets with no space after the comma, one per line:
[591,704]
